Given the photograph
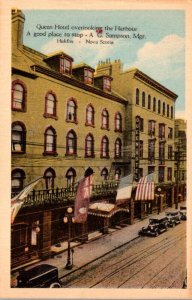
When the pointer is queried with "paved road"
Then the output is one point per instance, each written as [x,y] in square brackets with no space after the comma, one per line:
[147,262]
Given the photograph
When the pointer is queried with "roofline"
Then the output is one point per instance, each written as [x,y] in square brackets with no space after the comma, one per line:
[75,82]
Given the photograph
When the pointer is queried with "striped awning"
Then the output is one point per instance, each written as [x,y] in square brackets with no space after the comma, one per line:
[105,210]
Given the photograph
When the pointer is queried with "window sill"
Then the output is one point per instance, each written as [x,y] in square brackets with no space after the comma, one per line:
[90,156]
[104,128]
[90,125]
[50,116]
[18,152]
[105,157]
[118,130]
[50,153]
[18,109]
[71,121]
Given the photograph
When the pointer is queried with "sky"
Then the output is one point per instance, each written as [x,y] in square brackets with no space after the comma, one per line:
[153,41]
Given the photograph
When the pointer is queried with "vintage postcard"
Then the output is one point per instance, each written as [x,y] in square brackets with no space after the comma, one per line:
[95,120]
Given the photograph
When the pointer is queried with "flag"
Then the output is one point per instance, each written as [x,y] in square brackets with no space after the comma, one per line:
[125,189]
[82,198]
[145,188]
[18,200]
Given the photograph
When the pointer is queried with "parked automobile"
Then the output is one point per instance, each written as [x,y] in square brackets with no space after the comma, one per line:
[41,276]
[155,227]
[174,218]
[183,212]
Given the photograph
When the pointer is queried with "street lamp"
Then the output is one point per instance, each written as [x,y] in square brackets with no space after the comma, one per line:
[159,200]
[69,219]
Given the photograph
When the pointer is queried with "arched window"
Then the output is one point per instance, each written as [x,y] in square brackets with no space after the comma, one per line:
[143,99]
[19,95]
[18,138]
[104,173]
[49,176]
[154,104]
[89,146]
[50,105]
[163,108]
[159,106]
[118,122]
[104,147]
[171,112]
[137,96]
[17,181]
[71,143]
[71,111]
[105,119]
[149,102]
[50,141]
[70,175]
[90,115]
[167,110]
[118,146]
[117,174]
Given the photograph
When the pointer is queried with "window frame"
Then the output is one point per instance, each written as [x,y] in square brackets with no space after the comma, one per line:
[20,179]
[92,152]
[118,152]
[104,175]
[105,116]
[143,99]
[88,76]
[22,141]
[47,178]
[118,118]
[72,119]
[137,100]
[74,141]
[64,69]
[92,123]
[46,113]
[104,153]
[53,144]
[24,96]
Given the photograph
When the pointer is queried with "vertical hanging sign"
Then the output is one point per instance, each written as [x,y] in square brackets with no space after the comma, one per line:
[137,145]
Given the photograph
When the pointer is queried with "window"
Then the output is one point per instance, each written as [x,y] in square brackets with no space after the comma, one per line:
[70,175]
[143,99]
[140,149]
[71,111]
[89,146]
[154,104]
[104,173]
[149,102]
[17,181]
[137,96]
[140,173]
[161,153]
[19,95]
[50,141]
[167,110]
[118,146]
[71,143]
[170,151]
[104,147]
[169,174]
[171,112]
[105,119]
[18,139]
[161,131]
[117,174]
[161,174]
[65,66]
[151,151]
[159,106]
[90,113]
[151,127]
[141,125]
[163,108]
[118,122]
[106,84]
[170,132]
[50,105]
[88,76]
[151,169]
[49,177]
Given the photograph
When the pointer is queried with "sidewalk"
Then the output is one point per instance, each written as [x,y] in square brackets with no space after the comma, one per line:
[98,247]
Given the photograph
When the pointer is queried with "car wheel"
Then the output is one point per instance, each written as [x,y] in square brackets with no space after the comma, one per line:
[55,285]
[156,233]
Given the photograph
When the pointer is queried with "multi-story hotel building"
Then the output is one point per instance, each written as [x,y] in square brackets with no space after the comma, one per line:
[68,119]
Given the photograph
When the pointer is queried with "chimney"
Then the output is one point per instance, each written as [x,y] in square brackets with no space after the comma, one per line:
[18,20]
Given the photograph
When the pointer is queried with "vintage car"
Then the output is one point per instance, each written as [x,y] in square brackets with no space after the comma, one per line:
[174,218]
[183,212]
[155,227]
[41,276]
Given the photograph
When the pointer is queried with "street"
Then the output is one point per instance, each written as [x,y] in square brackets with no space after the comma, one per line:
[147,262]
